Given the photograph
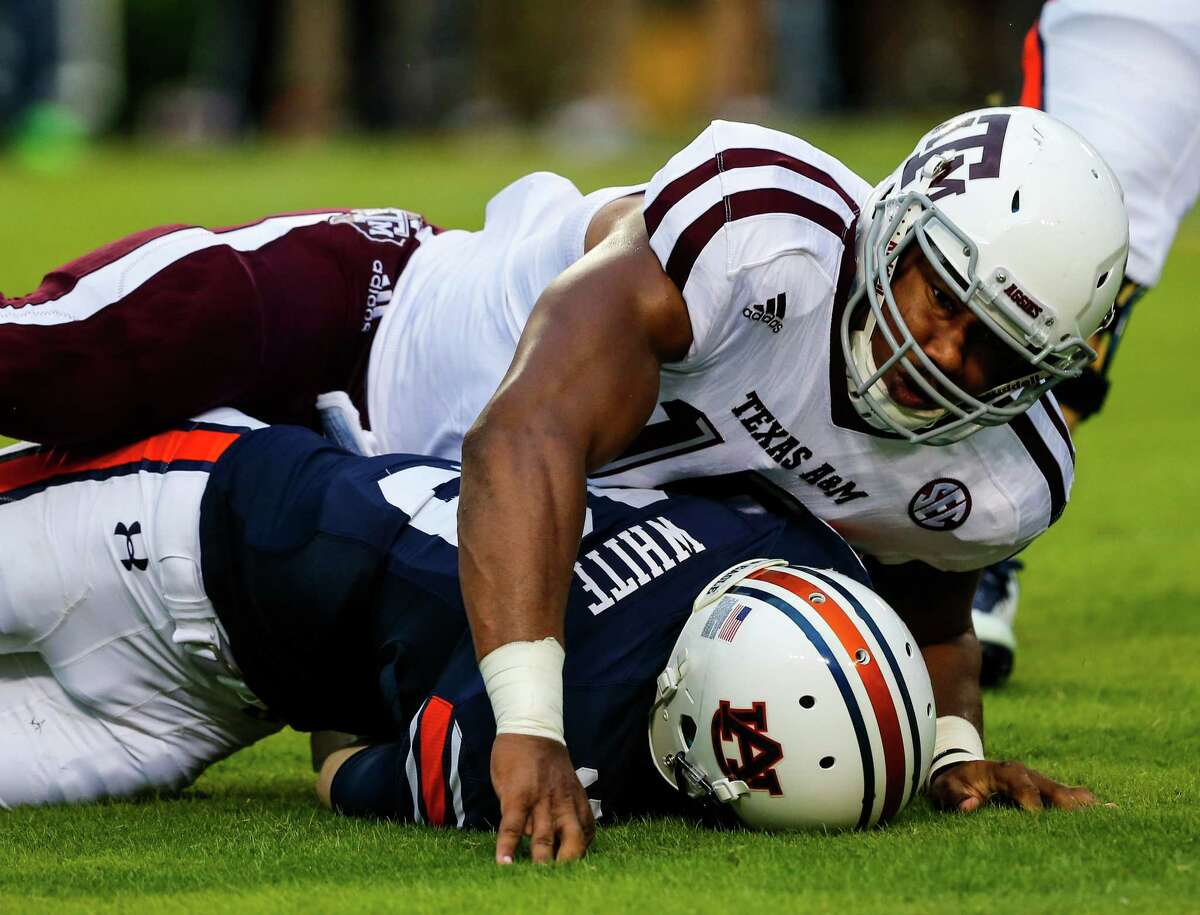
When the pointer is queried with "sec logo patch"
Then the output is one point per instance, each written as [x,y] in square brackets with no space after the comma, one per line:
[940,505]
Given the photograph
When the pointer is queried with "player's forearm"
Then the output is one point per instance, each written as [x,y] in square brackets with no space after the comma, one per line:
[520,518]
[954,672]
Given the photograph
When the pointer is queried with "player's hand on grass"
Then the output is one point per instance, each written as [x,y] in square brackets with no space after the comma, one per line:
[540,797]
[971,785]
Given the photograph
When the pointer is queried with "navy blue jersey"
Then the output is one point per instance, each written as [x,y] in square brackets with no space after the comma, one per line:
[336,578]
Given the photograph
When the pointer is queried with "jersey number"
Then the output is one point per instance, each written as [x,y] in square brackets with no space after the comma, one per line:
[413,491]
[684,430]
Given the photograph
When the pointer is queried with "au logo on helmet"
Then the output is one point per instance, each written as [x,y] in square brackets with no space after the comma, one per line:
[758,754]
[940,505]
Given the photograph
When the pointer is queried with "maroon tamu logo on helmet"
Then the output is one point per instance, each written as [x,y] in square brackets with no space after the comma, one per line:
[757,754]
[949,180]
[940,505]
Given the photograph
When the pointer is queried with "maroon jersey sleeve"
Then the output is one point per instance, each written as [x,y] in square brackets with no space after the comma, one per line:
[170,322]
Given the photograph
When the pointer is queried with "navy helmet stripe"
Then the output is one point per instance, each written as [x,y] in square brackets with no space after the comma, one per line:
[909,711]
[843,684]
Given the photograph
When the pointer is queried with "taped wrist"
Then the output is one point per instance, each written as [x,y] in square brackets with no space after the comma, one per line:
[956,741]
[524,684]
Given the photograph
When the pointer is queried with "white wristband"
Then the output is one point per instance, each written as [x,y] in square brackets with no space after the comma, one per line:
[524,683]
[956,741]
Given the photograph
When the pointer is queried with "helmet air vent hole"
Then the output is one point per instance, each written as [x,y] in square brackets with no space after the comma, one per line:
[908,648]
[862,656]
[826,762]
[1103,277]
[1016,200]
[929,710]
[687,730]
[807,702]
[816,598]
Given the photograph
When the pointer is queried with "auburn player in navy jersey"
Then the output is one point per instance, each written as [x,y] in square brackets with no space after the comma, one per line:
[173,600]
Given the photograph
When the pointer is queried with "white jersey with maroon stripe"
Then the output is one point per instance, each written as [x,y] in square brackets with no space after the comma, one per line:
[756,228]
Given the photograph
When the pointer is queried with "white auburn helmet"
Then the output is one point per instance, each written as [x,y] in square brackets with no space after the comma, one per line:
[797,697]
[1027,225]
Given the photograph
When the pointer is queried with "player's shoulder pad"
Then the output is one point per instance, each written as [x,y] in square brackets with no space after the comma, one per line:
[769,191]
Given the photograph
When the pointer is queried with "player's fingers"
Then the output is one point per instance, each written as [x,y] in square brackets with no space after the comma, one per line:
[1024,793]
[572,842]
[1063,797]
[587,819]
[508,835]
[967,805]
[541,842]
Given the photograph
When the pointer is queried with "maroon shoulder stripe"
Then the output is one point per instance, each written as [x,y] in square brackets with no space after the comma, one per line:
[675,192]
[762,201]
[753,158]
[726,161]
[691,242]
[1060,424]
[742,205]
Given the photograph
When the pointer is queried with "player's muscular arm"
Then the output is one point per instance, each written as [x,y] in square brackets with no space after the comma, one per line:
[936,606]
[583,382]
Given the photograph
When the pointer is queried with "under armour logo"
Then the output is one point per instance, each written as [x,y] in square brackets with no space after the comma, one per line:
[132,547]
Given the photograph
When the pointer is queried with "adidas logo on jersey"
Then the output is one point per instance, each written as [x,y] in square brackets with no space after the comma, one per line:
[771,314]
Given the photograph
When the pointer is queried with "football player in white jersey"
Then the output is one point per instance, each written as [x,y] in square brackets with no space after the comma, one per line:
[756,308]
[1127,77]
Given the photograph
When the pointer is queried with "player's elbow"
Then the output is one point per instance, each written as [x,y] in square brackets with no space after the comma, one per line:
[519,432]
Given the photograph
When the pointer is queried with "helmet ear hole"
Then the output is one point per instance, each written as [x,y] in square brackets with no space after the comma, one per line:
[807,702]
[687,730]
[827,762]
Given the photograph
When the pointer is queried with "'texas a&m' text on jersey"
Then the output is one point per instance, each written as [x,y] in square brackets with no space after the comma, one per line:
[757,230]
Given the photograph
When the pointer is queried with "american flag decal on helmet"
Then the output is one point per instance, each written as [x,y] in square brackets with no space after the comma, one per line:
[733,622]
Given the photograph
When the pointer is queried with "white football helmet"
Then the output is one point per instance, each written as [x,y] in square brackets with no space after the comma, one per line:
[1027,225]
[796,696]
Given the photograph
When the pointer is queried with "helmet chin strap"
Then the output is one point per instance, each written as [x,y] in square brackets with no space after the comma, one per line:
[875,399]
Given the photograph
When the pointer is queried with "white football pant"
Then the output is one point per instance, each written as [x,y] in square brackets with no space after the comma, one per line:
[110,647]
[1126,75]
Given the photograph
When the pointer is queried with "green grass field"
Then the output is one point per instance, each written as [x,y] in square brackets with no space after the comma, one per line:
[1106,690]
